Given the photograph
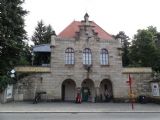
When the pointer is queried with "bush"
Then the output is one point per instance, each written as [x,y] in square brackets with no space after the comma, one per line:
[4,81]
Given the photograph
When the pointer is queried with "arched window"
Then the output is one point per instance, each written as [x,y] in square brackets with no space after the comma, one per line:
[69,56]
[104,57]
[87,56]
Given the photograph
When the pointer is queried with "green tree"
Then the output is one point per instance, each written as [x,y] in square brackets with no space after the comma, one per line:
[48,33]
[156,66]
[42,34]
[25,55]
[124,40]
[143,50]
[156,39]
[12,34]
[38,36]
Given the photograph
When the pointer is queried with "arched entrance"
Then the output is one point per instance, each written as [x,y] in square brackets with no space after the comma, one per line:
[88,91]
[106,91]
[68,90]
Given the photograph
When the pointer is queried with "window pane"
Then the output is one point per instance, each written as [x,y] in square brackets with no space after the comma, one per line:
[90,59]
[87,56]
[104,57]
[69,56]
[107,59]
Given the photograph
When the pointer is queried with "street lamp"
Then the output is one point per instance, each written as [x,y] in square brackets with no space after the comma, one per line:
[88,68]
[12,73]
[9,89]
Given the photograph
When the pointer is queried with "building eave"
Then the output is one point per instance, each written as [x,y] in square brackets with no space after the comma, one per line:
[135,70]
[31,69]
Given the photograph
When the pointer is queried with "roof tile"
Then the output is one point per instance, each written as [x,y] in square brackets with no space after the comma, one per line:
[70,31]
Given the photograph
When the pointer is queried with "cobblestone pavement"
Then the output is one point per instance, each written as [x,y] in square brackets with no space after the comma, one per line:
[73,107]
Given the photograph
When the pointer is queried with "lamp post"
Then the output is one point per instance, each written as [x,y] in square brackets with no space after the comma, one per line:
[131,94]
[88,68]
[12,73]
[9,90]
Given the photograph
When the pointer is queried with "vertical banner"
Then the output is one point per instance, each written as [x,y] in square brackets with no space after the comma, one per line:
[9,91]
[155,89]
[129,82]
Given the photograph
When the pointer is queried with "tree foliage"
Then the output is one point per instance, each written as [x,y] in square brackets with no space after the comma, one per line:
[12,34]
[48,33]
[143,51]
[42,34]
[25,55]
[124,40]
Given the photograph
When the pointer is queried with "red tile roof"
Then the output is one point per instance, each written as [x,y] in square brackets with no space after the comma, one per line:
[70,31]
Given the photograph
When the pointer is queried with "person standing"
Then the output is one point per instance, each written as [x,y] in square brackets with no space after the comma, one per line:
[107,95]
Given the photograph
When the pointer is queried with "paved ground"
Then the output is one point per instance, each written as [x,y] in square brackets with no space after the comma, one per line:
[80,116]
[73,107]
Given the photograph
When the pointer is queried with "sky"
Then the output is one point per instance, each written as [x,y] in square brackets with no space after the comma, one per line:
[112,15]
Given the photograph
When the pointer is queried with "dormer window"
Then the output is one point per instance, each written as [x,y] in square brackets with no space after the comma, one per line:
[87,56]
[69,56]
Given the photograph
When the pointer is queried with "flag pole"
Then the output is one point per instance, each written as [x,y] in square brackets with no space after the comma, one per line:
[131,92]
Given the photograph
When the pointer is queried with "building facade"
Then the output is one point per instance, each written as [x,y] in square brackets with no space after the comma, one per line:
[85,60]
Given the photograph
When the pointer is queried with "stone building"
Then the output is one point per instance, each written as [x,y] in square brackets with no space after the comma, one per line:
[85,59]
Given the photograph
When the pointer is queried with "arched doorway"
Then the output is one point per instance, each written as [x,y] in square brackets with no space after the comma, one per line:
[68,90]
[88,90]
[106,91]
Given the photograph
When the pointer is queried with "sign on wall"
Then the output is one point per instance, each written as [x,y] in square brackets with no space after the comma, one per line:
[9,91]
[155,89]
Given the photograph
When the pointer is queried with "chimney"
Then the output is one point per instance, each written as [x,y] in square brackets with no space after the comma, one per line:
[53,42]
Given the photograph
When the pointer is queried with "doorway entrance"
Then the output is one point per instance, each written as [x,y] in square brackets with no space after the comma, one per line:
[88,91]
[68,90]
[106,91]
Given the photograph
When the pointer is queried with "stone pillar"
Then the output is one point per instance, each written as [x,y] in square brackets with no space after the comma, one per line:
[53,45]
[97,95]
[3,95]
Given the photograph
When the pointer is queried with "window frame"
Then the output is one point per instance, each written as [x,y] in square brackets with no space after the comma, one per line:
[69,56]
[104,57]
[87,56]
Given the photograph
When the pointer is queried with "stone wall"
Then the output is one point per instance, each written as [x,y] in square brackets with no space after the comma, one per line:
[140,83]
[26,88]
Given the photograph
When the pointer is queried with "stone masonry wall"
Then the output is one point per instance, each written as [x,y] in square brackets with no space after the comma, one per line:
[140,83]
[26,88]
[76,72]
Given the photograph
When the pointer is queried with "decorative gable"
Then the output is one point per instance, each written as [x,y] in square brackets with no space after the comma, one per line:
[85,27]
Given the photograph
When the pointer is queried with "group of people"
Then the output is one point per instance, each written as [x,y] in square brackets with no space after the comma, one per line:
[107,95]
